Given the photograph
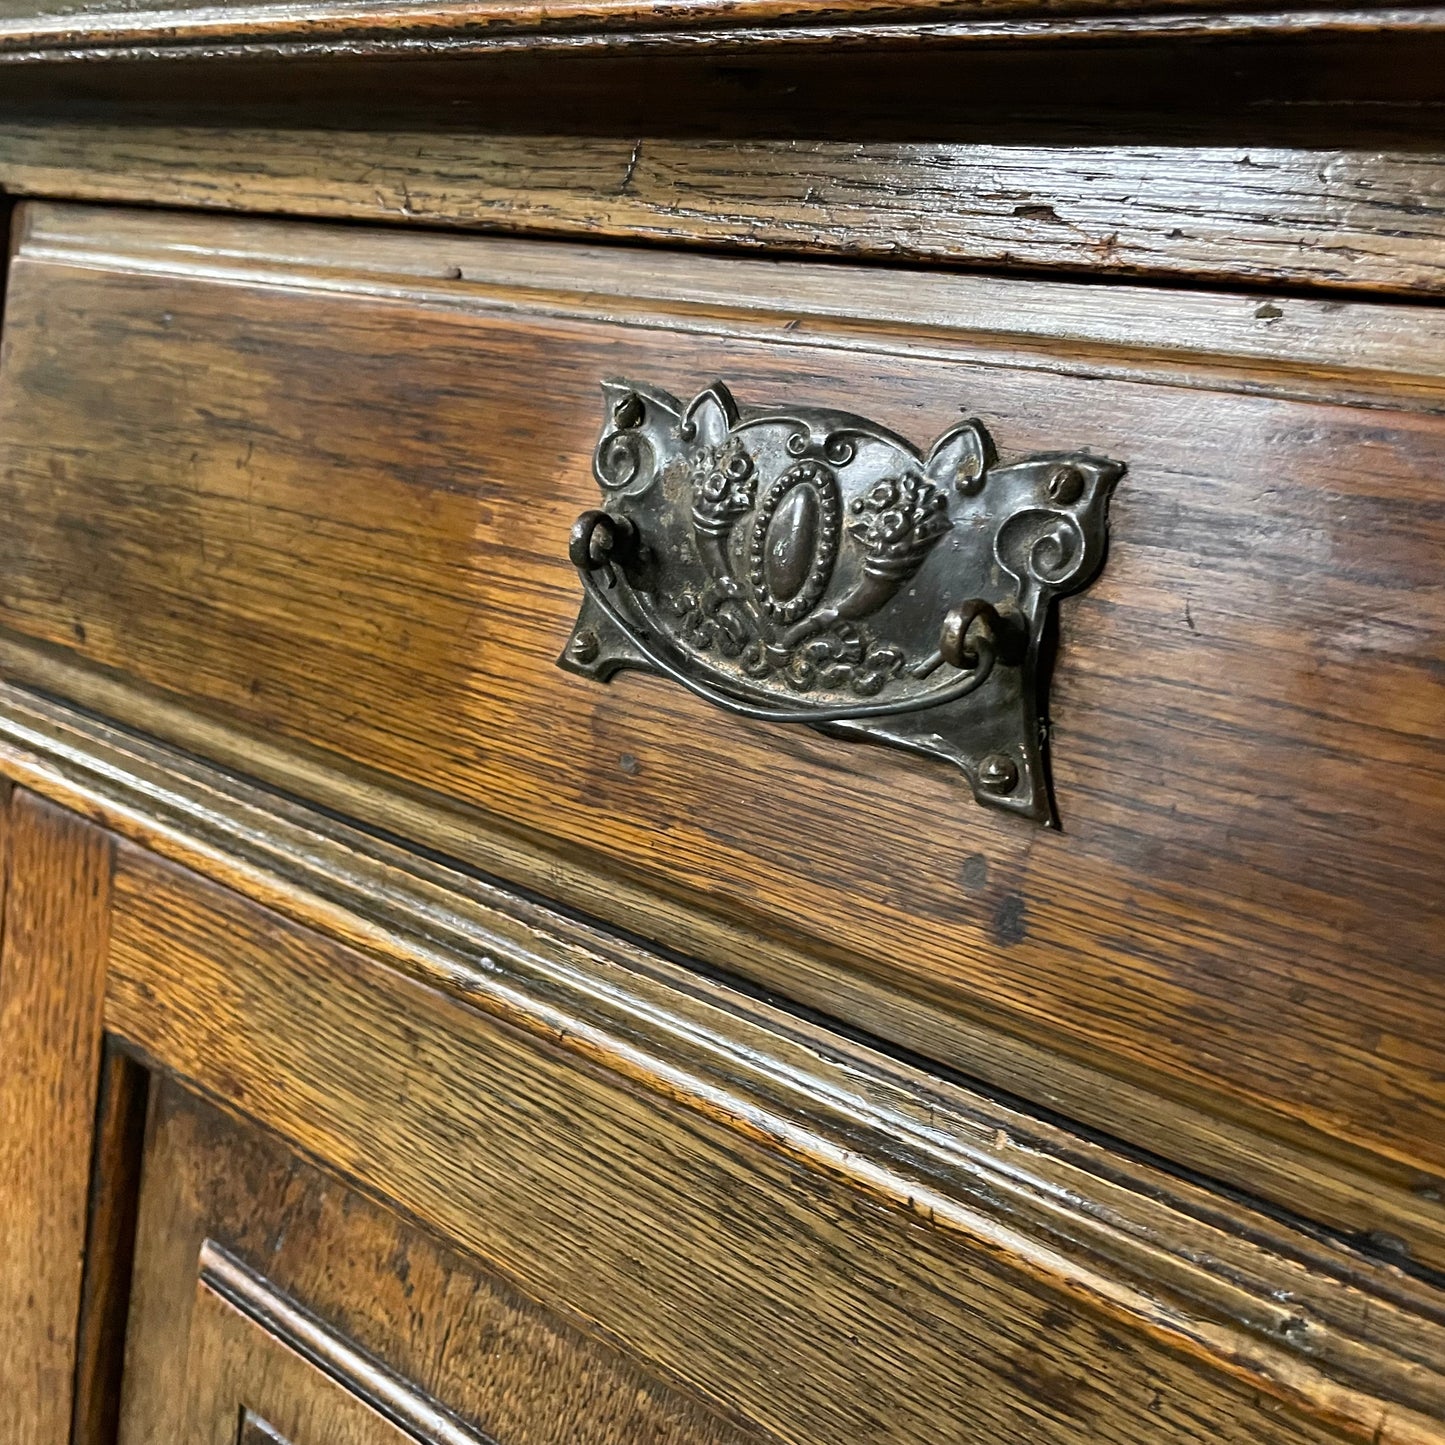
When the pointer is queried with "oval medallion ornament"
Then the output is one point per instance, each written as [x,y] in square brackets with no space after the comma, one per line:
[795,541]
[804,565]
[791,543]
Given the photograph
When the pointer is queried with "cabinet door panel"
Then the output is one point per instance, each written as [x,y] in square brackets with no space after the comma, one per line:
[271,1300]
[246,1386]
[55,875]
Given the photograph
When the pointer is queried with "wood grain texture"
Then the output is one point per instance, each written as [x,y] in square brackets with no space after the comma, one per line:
[399,1320]
[1244,914]
[318,16]
[816,1307]
[255,1431]
[7,789]
[1313,88]
[74,31]
[204,820]
[1081,1213]
[1310,160]
[240,1371]
[323,1387]
[52,980]
[1271,216]
[1317,348]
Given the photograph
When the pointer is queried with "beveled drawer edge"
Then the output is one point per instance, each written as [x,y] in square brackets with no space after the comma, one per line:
[1346,1339]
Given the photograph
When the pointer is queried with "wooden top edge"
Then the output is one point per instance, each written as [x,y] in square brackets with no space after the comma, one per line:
[1347,1339]
[352,27]
[1288,346]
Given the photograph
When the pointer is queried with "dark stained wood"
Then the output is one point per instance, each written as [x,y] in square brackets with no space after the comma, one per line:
[202,819]
[52,974]
[105,1293]
[399,1320]
[7,211]
[1313,90]
[326,500]
[820,1292]
[588,1067]
[1314,162]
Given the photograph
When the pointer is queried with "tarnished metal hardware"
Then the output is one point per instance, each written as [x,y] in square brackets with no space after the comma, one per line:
[805,565]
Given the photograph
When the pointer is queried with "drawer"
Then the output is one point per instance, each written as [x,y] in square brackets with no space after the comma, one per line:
[299,499]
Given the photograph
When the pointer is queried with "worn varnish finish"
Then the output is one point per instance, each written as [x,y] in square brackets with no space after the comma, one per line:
[447,1348]
[329,500]
[1314,162]
[1262,215]
[1354,1198]
[74,30]
[1317,348]
[696,1243]
[243,1372]
[1366,88]
[52,978]
[1274,1309]
[443,1146]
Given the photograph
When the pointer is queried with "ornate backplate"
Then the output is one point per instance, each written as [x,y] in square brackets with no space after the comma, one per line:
[806,565]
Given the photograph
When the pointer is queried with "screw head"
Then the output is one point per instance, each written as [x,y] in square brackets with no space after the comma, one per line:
[584,647]
[998,773]
[968,479]
[1065,484]
[629,411]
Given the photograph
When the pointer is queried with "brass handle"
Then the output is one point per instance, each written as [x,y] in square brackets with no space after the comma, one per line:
[808,566]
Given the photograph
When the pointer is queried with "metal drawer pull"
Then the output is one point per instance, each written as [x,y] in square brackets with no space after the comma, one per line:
[805,565]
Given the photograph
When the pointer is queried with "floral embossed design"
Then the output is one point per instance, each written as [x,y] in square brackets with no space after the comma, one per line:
[710,620]
[789,563]
[897,521]
[724,484]
[843,658]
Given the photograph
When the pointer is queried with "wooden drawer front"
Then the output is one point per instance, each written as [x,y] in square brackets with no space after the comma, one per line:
[272,1299]
[300,499]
